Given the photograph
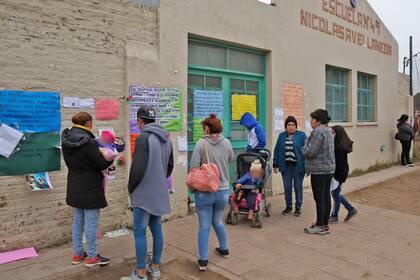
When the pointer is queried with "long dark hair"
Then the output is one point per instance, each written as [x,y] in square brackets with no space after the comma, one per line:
[341,140]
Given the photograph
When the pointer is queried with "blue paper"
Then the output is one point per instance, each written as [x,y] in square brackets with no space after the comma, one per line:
[207,102]
[29,111]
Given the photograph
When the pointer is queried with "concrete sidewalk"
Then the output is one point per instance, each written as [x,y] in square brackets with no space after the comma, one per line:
[377,244]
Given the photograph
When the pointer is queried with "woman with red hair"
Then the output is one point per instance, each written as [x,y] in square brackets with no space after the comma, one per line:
[210,206]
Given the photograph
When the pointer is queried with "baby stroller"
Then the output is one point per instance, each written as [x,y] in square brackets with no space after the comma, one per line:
[243,164]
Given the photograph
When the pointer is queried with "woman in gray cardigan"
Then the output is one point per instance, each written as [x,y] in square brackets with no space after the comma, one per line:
[320,164]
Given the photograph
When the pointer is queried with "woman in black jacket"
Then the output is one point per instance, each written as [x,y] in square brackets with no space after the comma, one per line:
[85,192]
[343,146]
[406,136]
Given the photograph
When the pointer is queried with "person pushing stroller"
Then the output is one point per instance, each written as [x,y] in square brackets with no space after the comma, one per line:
[255,177]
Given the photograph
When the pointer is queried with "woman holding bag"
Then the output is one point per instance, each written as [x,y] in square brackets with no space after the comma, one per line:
[210,205]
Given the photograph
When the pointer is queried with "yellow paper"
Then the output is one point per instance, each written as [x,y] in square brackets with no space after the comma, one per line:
[242,104]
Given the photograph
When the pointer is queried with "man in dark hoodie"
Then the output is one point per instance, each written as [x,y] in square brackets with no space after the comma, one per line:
[85,192]
[151,166]
[256,135]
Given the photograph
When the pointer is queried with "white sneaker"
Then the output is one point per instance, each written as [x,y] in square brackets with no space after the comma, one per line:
[134,276]
[155,274]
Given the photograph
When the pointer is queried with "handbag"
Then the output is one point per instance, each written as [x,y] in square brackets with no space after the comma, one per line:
[206,178]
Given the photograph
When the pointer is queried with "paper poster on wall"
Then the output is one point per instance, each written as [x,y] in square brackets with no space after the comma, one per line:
[107,109]
[182,143]
[87,103]
[9,138]
[29,111]
[308,126]
[71,102]
[39,181]
[205,103]
[166,101]
[278,119]
[293,102]
[243,103]
[133,138]
[39,152]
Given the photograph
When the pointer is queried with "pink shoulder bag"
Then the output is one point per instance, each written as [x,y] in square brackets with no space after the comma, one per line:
[206,178]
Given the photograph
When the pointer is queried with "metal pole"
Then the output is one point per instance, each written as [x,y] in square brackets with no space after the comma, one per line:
[411,65]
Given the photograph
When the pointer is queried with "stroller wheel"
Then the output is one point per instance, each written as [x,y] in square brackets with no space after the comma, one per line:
[257,221]
[234,219]
[228,218]
[268,210]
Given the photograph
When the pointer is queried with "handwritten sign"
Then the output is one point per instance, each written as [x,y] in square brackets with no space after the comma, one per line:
[242,104]
[205,102]
[166,101]
[107,109]
[293,102]
[38,152]
[30,111]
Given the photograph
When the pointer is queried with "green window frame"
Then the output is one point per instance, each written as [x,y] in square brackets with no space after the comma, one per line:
[336,93]
[365,97]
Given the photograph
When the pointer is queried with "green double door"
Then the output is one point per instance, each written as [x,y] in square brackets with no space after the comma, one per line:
[229,85]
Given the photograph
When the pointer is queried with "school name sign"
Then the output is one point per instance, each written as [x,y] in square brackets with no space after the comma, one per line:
[360,22]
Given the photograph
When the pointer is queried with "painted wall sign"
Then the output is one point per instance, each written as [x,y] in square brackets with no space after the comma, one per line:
[362,23]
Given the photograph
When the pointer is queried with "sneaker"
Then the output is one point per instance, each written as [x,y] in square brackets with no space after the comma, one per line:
[333,220]
[410,164]
[78,259]
[287,211]
[155,274]
[314,229]
[298,212]
[223,253]
[97,261]
[134,276]
[350,215]
[202,265]
[327,229]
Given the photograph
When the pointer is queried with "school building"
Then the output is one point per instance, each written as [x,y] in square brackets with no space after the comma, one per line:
[288,58]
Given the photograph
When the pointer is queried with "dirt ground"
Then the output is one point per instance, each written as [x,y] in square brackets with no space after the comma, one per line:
[179,269]
[400,194]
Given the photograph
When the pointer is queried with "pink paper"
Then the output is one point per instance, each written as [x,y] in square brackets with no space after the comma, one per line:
[107,109]
[17,255]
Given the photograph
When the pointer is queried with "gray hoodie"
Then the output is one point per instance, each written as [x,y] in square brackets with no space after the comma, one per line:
[151,166]
[220,153]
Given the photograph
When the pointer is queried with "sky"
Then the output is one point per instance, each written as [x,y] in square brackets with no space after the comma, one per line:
[400,18]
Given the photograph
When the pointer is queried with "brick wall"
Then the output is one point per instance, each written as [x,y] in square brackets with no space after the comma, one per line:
[78,48]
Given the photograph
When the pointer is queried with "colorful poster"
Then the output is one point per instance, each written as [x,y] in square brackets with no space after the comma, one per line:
[39,181]
[243,103]
[166,101]
[38,152]
[29,111]
[107,109]
[205,103]
[293,102]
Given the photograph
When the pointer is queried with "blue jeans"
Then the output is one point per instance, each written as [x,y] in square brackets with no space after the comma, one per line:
[85,220]
[210,208]
[292,178]
[142,219]
[338,200]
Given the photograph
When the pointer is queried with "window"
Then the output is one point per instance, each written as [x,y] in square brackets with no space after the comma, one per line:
[365,97]
[337,93]
[225,57]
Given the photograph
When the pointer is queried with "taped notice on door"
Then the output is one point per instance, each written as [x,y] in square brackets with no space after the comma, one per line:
[243,103]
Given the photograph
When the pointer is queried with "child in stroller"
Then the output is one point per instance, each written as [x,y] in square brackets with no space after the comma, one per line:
[255,178]
[254,171]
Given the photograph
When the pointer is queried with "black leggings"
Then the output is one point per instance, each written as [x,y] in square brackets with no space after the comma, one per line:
[405,154]
[321,190]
